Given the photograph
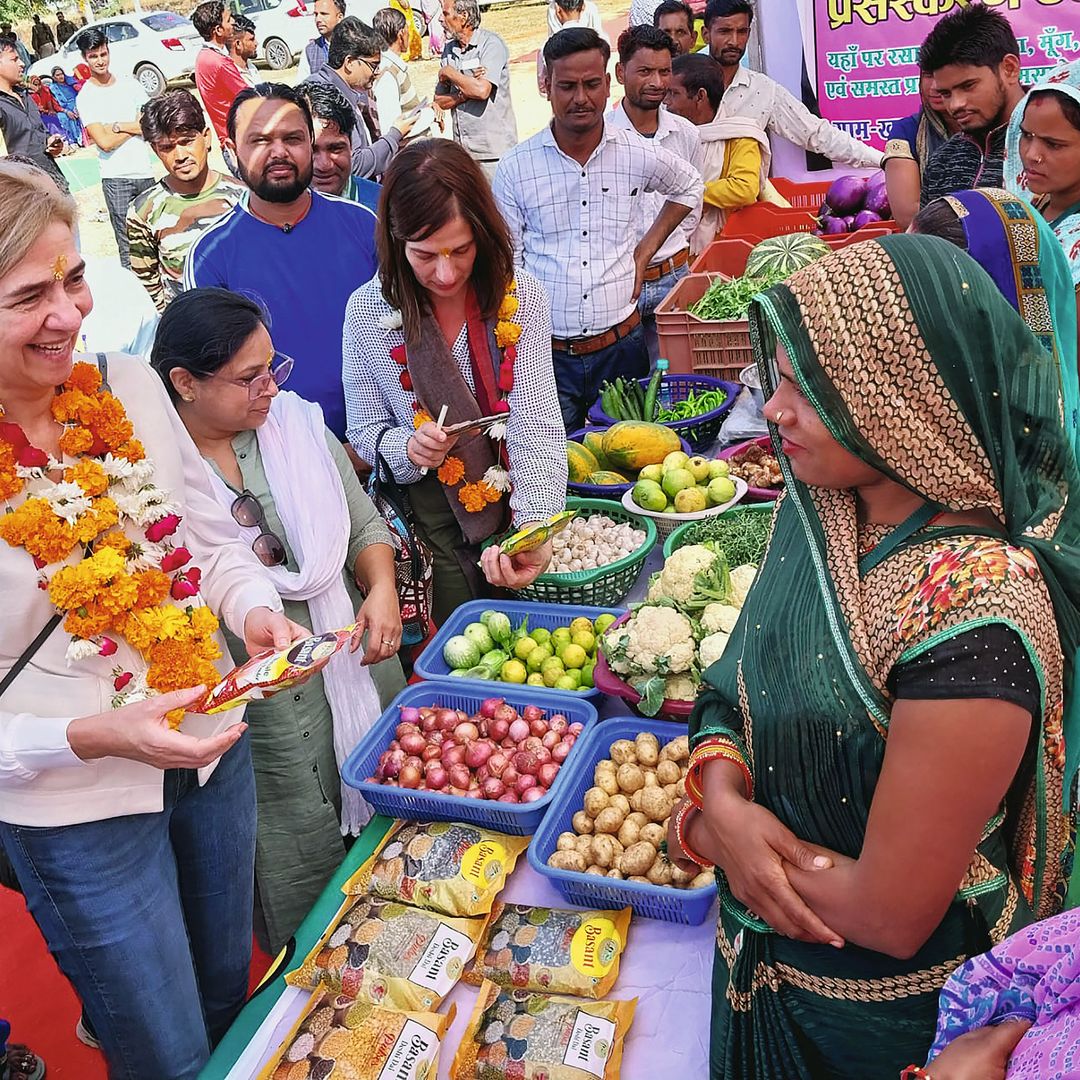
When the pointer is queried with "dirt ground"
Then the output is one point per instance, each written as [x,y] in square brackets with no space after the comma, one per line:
[521,23]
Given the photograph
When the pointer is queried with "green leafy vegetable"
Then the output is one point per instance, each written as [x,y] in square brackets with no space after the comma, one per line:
[741,534]
[731,299]
[652,694]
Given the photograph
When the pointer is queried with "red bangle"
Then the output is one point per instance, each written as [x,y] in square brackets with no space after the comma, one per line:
[915,1072]
[710,751]
[684,811]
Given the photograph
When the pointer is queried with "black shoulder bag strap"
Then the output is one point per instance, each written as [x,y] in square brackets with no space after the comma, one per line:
[29,652]
[385,487]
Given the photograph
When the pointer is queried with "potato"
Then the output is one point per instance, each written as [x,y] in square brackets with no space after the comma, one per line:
[668,772]
[671,791]
[620,802]
[584,847]
[660,872]
[679,877]
[635,801]
[651,780]
[653,832]
[596,799]
[678,750]
[637,859]
[567,860]
[582,823]
[617,874]
[680,788]
[630,778]
[567,842]
[604,777]
[655,804]
[609,820]
[706,877]
[623,752]
[639,877]
[596,871]
[629,831]
[647,747]
[604,851]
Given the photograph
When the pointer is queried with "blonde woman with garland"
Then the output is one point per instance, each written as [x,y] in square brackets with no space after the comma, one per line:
[131,836]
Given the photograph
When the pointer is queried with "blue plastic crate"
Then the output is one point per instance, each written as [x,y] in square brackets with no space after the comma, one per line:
[687,906]
[431,665]
[516,819]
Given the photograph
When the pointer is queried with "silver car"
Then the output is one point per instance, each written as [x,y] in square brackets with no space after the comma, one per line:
[155,47]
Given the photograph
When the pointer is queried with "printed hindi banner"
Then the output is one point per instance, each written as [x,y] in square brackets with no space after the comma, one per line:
[867,53]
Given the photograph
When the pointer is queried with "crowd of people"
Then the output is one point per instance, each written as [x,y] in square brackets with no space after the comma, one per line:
[368,270]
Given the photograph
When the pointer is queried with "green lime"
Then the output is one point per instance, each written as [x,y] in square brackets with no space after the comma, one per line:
[540,635]
[587,676]
[560,635]
[574,656]
[579,624]
[586,639]
[566,682]
[535,679]
[552,676]
[523,647]
[602,622]
[513,671]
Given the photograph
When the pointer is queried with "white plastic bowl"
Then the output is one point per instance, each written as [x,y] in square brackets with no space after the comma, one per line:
[668,523]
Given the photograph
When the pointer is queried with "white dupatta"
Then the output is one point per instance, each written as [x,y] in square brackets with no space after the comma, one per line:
[310,500]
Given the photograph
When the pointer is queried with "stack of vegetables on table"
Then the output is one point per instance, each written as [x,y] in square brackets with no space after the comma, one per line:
[617,454]
[681,484]
[497,753]
[624,399]
[560,659]
[853,202]
[622,825]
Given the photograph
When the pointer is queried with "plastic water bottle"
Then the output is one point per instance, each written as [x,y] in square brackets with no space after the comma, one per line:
[663,397]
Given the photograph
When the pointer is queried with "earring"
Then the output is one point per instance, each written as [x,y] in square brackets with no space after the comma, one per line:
[779,417]
[186,398]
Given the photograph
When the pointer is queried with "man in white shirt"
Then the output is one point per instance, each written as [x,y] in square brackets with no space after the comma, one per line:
[570,197]
[109,108]
[644,71]
[642,11]
[393,90]
[755,96]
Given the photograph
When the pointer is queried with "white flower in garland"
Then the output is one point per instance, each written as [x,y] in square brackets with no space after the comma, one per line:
[497,431]
[80,649]
[144,506]
[66,500]
[117,468]
[391,321]
[498,478]
[144,555]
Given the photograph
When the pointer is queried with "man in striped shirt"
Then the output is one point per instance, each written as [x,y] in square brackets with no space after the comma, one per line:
[570,196]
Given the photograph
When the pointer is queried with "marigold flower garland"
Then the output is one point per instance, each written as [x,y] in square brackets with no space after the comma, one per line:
[121,586]
[495,482]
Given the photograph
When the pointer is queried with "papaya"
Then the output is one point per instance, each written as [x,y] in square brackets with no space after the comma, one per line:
[606,477]
[594,443]
[630,445]
[580,462]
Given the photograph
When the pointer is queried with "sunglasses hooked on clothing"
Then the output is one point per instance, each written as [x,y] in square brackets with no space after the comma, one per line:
[268,546]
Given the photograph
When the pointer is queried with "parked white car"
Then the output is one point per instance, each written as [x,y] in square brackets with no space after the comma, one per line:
[155,47]
[282,28]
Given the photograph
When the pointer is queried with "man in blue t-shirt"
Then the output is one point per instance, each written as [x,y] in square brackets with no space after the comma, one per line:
[298,252]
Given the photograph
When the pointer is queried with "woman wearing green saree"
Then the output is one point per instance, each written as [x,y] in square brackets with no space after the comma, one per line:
[878,764]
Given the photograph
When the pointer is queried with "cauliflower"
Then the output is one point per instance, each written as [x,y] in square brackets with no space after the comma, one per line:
[656,639]
[676,580]
[711,648]
[742,577]
[680,687]
[719,618]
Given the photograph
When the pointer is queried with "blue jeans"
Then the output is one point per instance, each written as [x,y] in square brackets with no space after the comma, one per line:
[652,292]
[578,378]
[149,917]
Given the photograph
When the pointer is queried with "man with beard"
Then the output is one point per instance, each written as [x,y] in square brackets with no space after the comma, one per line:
[299,252]
[644,70]
[754,96]
[974,58]
[570,196]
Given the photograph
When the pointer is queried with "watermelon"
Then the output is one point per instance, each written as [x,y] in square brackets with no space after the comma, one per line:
[779,256]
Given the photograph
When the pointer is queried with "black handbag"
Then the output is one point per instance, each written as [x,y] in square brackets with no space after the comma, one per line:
[412,559]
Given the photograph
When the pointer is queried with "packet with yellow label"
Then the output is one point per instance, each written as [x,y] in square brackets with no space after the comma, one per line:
[338,1038]
[530,537]
[384,952]
[441,866]
[551,950]
[515,1034]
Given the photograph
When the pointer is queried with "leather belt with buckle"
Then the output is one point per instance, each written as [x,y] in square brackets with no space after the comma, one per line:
[586,345]
[656,271]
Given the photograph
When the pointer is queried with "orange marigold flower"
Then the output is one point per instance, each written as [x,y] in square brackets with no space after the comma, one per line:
[135,630]
[474,497]
[75,441]
[421,417]
[115,540]
[153,587]
[85,377]
[36,528]
[89,475]
[103,514]
[509,307]
[132,451]
[452,471]
[204,622]
[87,622]
[506,333]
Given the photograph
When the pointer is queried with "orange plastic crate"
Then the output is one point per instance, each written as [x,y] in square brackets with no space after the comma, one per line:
[698,346]
[802,196]
[763,220]
[727,257]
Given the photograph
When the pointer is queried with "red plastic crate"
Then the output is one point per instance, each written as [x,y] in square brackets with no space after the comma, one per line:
[698,346]
[763,220]
[802,196]
[727,257]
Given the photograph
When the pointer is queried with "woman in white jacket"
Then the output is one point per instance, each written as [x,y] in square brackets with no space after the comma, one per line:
[129,825]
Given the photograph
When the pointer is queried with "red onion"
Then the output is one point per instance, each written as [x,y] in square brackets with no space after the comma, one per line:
[413,743]
[409,777]
[547,774]
[459,792]
[436,778]
[524,783]
[519,731]
[505,712]
[431,752]
[414,761]
[477,754]
[436,738]
[493,788]
[427,724]
[391,783]
[558,723]
[532,712]
[525,762]
[498,729]
[551,740]
[543,756]
[538,728]
[460,776]
[576,728]
[446,719]
[391,762]
[409,714]
[533,794]
[466,731]
[489,705]
[509,776]
[404,729]
[455,755]
[496,764]
[474,793]
[569,739]
[533,744]
[560,752]
[482,774]
[510,796]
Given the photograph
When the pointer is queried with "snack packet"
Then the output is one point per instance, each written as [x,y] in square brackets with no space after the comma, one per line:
[521,1035]
[455,869]
[533,536]
[384,952]
[337,1038]
[551,950]
[274,671]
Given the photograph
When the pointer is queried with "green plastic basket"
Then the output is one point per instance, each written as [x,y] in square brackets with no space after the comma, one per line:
[606,586]
[676,539]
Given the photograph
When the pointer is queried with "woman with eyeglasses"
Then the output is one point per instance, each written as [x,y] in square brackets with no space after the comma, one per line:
[293,496]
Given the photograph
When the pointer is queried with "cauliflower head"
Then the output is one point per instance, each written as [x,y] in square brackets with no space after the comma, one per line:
[719,618]
[677,577]
[711,648]
[742,577]
[656,640]
[680,687]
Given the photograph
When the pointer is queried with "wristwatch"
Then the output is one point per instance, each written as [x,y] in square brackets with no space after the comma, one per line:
[116,127]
